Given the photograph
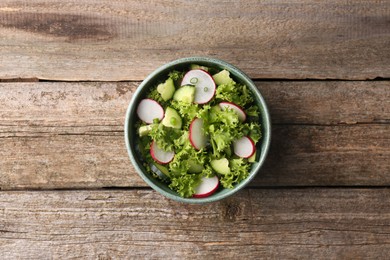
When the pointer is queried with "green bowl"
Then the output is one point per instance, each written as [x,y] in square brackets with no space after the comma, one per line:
[158,76]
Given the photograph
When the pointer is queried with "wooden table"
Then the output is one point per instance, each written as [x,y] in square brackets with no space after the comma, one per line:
[69,68]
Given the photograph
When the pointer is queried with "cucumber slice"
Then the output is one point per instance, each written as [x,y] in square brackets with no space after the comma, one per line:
[160,170]
[194,167]
[185,94]
[172,118]
[144,130]
[166,89]
[252,159]
[222,77]
[198,67]
[221,166]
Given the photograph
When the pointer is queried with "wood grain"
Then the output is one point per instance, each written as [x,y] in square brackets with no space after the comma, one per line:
[126,40]
[327,102]
[271,223]
[61,107]
[70,135]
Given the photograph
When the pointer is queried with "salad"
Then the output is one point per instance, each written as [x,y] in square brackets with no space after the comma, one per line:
[198,131]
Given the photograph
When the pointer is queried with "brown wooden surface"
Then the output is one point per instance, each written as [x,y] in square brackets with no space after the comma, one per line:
[69,191]
[126,40]
[70,135]
[272,223]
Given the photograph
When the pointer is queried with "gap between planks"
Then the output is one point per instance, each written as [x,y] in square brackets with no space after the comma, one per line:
[24,80]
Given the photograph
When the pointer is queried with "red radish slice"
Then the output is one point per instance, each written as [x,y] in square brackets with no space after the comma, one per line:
[197,137]
[159,155]
[207,187]
[241,114]
[149,109]
[204,85]
[244,147]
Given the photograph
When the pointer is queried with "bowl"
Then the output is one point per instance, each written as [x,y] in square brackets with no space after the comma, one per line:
[160,75]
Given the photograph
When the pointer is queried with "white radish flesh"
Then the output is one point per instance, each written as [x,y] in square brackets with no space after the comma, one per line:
[241,114]
[244,147]
[159,155]
[204,85]
[197,137]
[149,109]
[207,187]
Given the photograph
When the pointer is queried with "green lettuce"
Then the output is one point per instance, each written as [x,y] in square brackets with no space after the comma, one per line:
[176,75]
[185,184]
[223,127]
[252,111]
[157,97]
[239,170]
[239,94]
[164,136]
[187,111]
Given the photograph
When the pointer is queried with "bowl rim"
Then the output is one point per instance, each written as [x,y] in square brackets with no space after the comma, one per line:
[265,117]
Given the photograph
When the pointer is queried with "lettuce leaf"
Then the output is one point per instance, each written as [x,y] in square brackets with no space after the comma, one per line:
[157,97]
[223,127]
[233,92]
[252,111]
[185,184]
[239,170]
[164,136]
[187,111]
[176,75]
[253,130]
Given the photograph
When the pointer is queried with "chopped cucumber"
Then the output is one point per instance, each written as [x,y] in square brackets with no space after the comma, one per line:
[252,159]
[222,77]
[166,89]
[160,170]
[185,94]
[144,130]
[220,166]
[172,118]
[195,167]
[198,67]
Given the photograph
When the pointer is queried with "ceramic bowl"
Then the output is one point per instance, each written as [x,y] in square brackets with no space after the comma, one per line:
[160,75]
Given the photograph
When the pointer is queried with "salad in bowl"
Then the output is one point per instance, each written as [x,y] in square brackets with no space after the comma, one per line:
[199,132]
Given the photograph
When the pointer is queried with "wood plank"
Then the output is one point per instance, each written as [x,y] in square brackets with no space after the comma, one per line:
[82,107]
[299,156]
[327,155]
[70,135]
[111,40]
[271,223]
[327,102]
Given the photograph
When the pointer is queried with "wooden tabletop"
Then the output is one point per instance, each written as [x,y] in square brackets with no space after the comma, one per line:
[69,68]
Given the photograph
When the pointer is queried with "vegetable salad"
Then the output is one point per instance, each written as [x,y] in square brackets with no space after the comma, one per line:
[221,143]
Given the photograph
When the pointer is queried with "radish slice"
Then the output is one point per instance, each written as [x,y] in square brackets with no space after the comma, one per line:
[197,137]
[204,85]
[159,155]
[241,114]
[207,187]
[244,147]
[149,109]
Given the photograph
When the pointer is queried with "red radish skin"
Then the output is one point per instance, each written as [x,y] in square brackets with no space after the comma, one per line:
[240,112]
[159,155]
[204,79]
[244,147]
[197,138]
[149,109]
[207,187]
